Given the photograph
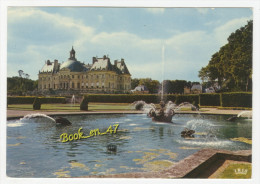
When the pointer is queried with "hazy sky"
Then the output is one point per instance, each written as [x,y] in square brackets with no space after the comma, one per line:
[190,37]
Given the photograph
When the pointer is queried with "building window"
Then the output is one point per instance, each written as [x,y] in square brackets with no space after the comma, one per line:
[72,84]
[78,85]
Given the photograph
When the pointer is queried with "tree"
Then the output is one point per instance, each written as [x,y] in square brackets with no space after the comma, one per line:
[27,76]
[231,66]
[176,86]
[20,72]
[152,85]
[134,83]
[18,85]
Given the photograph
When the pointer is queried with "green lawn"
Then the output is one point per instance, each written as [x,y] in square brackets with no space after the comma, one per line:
[74,108]
[237,171]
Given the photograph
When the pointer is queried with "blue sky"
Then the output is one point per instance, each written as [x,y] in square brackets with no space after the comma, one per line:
[190,37]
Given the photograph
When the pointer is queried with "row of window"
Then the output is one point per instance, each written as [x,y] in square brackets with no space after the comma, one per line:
[101,76]
[77,86]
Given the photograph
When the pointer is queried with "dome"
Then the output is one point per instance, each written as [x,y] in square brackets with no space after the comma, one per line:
[73,65]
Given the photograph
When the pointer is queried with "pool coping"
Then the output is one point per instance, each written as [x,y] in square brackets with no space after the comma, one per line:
[16,114]
[190,167]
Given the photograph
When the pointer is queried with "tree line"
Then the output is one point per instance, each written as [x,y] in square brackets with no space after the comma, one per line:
[168,86]
[20,85]
[231,66]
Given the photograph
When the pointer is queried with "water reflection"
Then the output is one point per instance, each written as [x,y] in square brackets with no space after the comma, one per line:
[37,143]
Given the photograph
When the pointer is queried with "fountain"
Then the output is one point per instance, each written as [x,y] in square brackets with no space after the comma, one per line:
[35,141]
[73,100]
[162,114]
[187,133]
[139,105]
[243,114]
[59,121]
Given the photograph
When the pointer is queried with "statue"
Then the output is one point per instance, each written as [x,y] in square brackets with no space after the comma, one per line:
[62,121]
[162,114]
[187,133]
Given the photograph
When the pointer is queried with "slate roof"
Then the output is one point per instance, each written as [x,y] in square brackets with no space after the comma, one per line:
[73,65]
[196,86]
[141,88]
[104,64]
[99,64]
[48,67]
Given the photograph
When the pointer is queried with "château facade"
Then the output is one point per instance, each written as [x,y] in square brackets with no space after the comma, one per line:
[101,76]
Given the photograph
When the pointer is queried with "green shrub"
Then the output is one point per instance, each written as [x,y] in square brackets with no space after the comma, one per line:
[37,104]
[193,99]
[209,99]
[170,98]
[84,104]
[236,99]
[148,98]
[30,100]
[20,100]
[123,98]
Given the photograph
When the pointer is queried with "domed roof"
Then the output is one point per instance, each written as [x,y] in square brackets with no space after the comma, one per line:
[73,65]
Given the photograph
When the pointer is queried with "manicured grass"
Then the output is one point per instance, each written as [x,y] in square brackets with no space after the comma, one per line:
[74,108]
[237,171]
[234,108]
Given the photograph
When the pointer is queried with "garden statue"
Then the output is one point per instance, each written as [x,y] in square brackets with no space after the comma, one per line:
[163,114]
[62,121]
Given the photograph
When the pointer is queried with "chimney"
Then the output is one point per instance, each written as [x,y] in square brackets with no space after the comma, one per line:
[94,59]
[122,61]
[115,62]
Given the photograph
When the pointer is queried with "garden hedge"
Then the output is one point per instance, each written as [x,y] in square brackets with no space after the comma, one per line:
[122,98]
[209,99]
[84,104]
[148,98]
[30,100]
[236,99]
[37,104]
[192,98]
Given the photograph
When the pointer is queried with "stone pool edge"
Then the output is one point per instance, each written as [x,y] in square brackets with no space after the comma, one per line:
[190,167]
[16,114]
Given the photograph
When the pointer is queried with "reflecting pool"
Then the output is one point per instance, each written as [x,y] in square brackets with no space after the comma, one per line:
[34,147]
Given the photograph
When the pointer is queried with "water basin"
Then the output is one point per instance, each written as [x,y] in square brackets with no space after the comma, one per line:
[34,147]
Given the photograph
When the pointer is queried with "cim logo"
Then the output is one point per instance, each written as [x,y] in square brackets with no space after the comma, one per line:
[240,171]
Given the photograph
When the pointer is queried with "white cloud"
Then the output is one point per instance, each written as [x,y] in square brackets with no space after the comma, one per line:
[185,52]
[222,32]
[155,10]
[202,10]
[100,18]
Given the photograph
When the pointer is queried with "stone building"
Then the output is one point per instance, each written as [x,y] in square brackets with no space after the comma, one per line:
[101,76]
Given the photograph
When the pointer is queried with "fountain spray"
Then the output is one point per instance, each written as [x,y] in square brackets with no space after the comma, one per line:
[162,72]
